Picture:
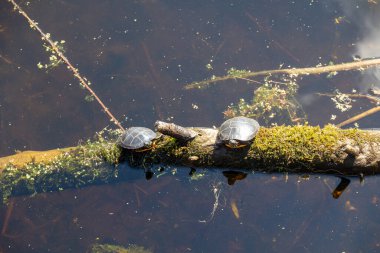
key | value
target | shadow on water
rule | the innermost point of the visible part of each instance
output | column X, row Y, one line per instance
column 139, row 55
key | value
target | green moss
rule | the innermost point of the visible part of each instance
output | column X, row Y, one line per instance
column 165, row 150
column 170, row 150
column 300, row 145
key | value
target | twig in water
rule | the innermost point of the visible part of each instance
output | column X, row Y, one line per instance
column 369, row 97
column 83, row 81
column 358, row 65
column 271, row 37
column 7, row 217
column 359, row 116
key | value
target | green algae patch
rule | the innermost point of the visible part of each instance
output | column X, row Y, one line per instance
column 92, row 162
column 109, row 248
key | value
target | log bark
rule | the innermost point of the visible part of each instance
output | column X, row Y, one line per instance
column 296, row 149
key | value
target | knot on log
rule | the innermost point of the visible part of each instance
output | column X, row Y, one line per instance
column 363, row 155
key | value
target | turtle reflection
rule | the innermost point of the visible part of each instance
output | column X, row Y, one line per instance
column 233, row 176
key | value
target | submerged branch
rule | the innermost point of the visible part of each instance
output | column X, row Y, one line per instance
column 360, row 116
column 356, row 65
column 371, row 98
column 297, row 149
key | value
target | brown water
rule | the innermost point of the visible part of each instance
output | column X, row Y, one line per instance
column 139, row 55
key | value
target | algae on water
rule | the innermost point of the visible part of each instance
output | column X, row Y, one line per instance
column 89, row 163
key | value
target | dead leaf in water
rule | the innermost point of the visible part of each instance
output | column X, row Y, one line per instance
column 235, row 209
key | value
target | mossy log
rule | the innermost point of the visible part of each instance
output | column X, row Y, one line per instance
column 299, row 149
column 293, row 149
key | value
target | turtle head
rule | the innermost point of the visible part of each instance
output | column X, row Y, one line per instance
column 235, row 144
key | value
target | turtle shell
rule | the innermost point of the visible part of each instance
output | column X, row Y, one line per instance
column 238, row 131
column 137, row 138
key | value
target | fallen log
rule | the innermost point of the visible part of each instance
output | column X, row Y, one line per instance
column 293, row 149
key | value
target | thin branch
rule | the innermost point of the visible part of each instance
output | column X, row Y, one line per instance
column 369, row 97
column 46, row 37
column 359, row 116
column 358, row 65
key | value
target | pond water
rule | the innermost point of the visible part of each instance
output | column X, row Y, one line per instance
column 139, row 55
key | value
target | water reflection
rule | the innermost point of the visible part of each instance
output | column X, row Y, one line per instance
column 172, row 213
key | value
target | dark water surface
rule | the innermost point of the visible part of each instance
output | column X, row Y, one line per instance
column 138, row 56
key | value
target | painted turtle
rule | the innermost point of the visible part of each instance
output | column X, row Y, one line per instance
column 237, row 132
column 138, row 138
